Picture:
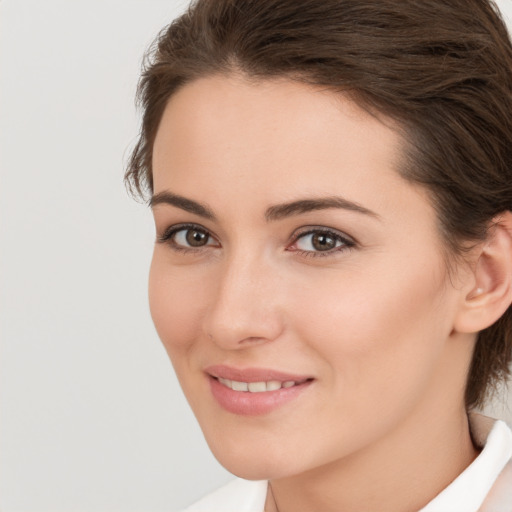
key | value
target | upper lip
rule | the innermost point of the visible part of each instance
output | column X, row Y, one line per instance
column 253, row 374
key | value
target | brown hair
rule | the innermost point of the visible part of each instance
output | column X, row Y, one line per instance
column 442, row 69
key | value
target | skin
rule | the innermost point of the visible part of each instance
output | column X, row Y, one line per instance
column 374, row 324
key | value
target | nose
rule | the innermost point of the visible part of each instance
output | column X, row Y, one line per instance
column 244, row 310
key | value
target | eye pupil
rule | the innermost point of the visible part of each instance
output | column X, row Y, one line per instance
column 196, row 238
column 323, row 242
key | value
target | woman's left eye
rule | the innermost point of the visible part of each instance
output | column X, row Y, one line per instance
column 320, row 241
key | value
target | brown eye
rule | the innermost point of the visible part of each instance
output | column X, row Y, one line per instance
column 317, row 241
column 323, row 241
column 188, row 237
column 196, row 238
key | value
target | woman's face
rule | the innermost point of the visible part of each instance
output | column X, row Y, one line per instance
column 296, row 266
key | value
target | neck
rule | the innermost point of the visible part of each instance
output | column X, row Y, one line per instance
column 400, row 473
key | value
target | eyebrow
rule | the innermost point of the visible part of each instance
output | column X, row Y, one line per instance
column 183, row 203
column 273, row 213
column 281, row 211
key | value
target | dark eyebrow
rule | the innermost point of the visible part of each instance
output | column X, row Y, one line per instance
column 183, row 203
column 307, row 205
column 273, row 213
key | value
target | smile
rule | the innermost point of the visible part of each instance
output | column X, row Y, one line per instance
column 255, row 391
column 256, row 387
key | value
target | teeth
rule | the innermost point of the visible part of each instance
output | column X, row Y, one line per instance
column 239, row 386
column 273, row 385
column 256, row 387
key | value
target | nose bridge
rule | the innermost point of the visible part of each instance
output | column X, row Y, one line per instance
column 244, row 307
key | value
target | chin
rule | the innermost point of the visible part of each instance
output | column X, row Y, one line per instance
column 256, row 462
column 256, row 470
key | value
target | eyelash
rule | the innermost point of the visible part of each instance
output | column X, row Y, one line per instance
column 347, row 243
column 169, row 233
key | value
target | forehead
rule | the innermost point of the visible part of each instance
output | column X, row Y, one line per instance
column 264, row 108
column 279, row 127
column 245, row 143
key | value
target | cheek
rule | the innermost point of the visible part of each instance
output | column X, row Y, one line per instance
column 378, row 330
column 176, row 298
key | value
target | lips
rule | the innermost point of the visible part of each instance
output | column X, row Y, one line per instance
column 253, row 374
column 254, row 391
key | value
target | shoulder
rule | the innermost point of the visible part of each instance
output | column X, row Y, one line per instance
column 236, row 496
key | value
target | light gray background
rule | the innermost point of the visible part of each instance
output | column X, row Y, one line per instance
column 92, row 418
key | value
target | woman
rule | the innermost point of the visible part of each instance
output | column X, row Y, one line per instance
column 332, row 190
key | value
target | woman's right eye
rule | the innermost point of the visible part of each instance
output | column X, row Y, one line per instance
column 188, row 238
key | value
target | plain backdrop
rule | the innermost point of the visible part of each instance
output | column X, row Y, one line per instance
column 92, row 418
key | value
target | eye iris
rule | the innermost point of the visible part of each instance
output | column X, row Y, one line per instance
column 323, row 242
column 196, row 238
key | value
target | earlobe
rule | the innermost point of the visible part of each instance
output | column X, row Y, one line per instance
column 491, row 294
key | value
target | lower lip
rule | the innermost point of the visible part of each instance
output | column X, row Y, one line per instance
column 253, row 404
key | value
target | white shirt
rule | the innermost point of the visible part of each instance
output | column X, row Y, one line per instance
column 484, row 486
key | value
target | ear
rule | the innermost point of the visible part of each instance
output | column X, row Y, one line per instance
column 490, row 291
